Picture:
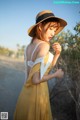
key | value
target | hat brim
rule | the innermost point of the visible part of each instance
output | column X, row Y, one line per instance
column 62, row 22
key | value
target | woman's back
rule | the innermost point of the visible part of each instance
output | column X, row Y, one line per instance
column 32, row 53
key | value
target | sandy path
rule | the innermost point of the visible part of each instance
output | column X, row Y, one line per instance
column 11, row 81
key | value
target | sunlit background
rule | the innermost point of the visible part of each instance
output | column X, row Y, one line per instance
column 16, row 16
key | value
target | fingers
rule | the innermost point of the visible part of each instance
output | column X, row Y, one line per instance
column 56, row 43
column 60, row 70
column 57, row 47
column 59, row 73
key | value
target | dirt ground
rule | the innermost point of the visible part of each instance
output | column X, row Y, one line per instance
column 12, row 78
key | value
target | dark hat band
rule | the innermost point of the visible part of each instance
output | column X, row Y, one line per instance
column 44, row 16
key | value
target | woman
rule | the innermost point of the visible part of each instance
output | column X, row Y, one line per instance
column 33, row 102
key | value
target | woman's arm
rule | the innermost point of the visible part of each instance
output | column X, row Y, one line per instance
column 55, row 58
column 44, row 49
column 36, row 77
column 57, row 48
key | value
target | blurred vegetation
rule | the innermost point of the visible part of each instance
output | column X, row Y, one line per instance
column 5, row 51
column 19, row 53
column 69, row 61
column 70, row 55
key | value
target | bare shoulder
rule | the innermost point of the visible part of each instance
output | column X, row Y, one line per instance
column 28, row 47
column 44, row 44
column 43, row 49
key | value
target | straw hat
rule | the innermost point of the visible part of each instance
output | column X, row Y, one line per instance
column 44, row 15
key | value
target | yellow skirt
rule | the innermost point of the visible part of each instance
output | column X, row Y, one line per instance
column 33, row 102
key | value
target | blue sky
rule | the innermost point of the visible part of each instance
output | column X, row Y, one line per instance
column 16, row 16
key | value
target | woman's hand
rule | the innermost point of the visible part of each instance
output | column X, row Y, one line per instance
column 57, row 47
column 59, row 73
